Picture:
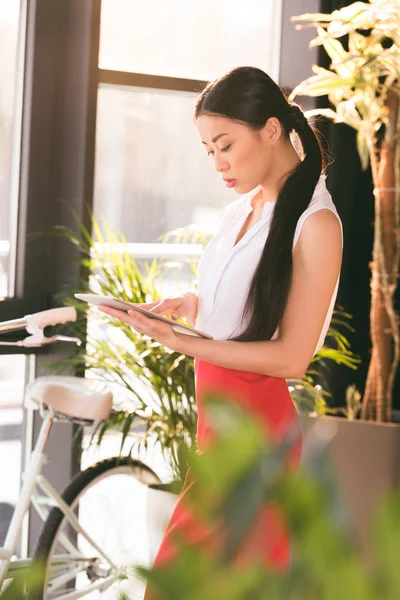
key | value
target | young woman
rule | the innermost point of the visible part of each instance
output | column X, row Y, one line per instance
column 267, row 281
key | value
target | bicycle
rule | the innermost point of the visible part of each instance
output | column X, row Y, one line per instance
column 76, row 559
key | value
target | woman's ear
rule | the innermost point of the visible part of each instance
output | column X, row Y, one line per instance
column 272, row 130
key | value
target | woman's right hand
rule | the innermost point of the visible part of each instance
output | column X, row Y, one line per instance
column 184, row 306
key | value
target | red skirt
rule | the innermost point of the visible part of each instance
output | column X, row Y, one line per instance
column 269, row 401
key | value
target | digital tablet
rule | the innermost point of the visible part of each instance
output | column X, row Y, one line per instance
column 125, row 306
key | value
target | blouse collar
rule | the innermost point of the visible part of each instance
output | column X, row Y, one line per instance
column 269, row 206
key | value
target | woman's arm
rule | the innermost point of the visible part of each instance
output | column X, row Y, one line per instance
column 316, row 266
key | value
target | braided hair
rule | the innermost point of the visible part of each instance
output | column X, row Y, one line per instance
column 250, row 96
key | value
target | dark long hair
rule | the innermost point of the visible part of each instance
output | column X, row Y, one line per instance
column 248, row 95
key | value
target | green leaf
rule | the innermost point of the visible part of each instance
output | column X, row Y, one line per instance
column 336, row 52
column 363, row 151
column 320, row 86
column 323, row 112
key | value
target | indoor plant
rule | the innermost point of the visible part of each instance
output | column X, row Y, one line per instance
column 362, row 84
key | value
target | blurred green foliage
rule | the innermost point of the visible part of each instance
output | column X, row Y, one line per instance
column 24, row 580
column 233, row 478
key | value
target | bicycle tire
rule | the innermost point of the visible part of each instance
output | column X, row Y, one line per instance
column 82, row 481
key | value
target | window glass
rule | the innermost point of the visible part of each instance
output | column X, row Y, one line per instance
column 195, row 40
column 152, row 172
column 12, row 384
column 9, row 138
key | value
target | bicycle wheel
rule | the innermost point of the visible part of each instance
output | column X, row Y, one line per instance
column 108, row 500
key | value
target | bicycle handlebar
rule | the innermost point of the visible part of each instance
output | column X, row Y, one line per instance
column 54, row 316
column 40, row 320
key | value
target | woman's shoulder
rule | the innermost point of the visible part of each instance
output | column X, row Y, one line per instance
column 320, row 200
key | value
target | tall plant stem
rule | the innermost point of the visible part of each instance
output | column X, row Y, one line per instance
column 385, row 264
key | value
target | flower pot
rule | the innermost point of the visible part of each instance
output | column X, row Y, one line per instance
column 365, row 457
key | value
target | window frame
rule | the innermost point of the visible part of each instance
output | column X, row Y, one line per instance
column 57, row 146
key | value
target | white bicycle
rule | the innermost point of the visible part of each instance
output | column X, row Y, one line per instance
column 92, row 535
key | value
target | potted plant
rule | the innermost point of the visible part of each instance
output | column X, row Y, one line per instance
column 362, row 85
column 154, row 386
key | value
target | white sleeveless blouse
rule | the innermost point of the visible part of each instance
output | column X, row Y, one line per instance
column 225, row 270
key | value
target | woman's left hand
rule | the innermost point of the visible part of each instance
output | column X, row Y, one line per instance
column 158, row 331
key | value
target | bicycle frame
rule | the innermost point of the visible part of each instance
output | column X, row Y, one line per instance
column 32, row 478
column 33, row 481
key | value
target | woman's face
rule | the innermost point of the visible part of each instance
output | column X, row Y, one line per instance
column 239, row 153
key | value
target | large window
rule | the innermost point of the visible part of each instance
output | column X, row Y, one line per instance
column 12, row 368
column 151, row 173
column 48, row 68
column 11, row 53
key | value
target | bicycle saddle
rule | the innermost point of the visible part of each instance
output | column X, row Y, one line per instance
column 72, row 396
